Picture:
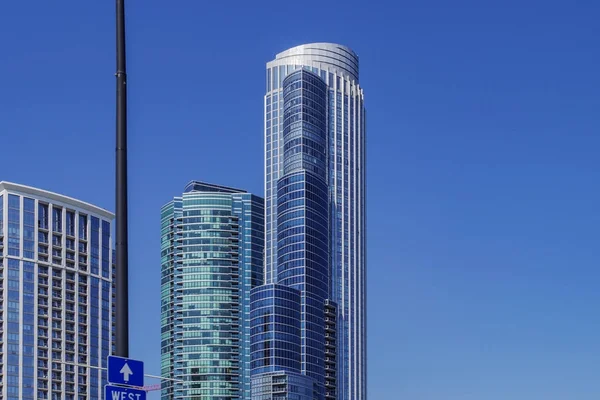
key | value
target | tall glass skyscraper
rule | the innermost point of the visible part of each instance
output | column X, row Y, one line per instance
column 56, row 295
column 302, row 250
column 302, row 210
column 212, row 256
column 337, row 68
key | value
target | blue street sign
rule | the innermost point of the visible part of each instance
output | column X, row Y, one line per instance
column 123, row 393
column 123, row 371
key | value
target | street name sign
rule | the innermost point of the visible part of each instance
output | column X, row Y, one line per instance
column 123, row 393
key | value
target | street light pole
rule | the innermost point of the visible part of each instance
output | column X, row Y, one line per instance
column 122, row 273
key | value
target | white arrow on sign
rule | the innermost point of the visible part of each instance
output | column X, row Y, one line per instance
column 126, row 371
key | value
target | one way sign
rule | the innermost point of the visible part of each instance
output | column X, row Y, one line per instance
column 123, row 371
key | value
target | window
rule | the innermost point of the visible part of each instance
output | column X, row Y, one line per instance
column 70, row 223
column 83, row 227
column 56, row 219
column 14, row 225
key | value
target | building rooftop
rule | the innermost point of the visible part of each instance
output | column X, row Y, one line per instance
column 327, row 56
column 56, row 198
column 197, row 186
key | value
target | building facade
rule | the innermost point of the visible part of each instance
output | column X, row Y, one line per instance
column 330, row 350
column 56, row 295
column 302, row 232
column 302, row 211
column 212, row 256
column 337, row 67
column 276, row 323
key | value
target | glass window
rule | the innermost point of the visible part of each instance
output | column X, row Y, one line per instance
column 70, row 223
column 14, row 225
column 281, row 74
column 28, row 228
column 43, row 216
column 105, row 249
column 268, row 79
column 83, row 227
column 56, row 219
column 1, row 215
column 95, row 245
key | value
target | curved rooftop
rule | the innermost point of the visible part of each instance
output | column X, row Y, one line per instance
column 55, row 197
column 326, row 56
column 198, row 186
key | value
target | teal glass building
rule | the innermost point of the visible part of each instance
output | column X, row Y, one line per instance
column 212, row 242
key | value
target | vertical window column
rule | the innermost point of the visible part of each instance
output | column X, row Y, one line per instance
column 56, row 219
column 105, row 249
column 94, row 338
column 28, row 228
column 57, row 239
column 13, row 331
column 14, row 225
column 95, row 246
column 28, row 319
column 70, row 223
column 82, row 236
column 106, row 326
column 1, row 225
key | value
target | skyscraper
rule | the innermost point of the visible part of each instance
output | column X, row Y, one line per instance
column 302, row 248
column 212, row 256
column 337, row 68
column 56, row 288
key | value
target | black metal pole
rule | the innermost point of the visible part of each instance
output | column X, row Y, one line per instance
column 122, row 273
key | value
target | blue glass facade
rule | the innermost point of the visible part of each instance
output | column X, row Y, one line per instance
column 302, row 240
column 56, row 315
column 212, row 256
column 277, row 346
column 337, row 66
column 302, row 210
column 276, row 332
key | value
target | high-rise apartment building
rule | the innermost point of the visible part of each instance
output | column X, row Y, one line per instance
column 56, row 295
column 212, row 256
column 336, row 68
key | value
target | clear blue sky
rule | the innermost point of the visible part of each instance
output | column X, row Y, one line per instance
column 483, row 164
